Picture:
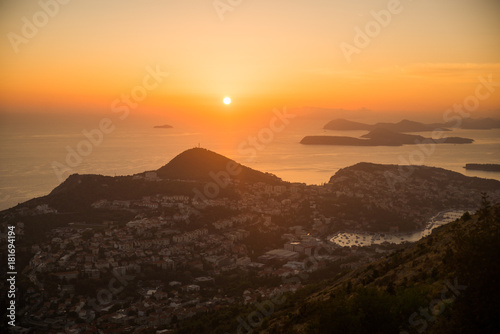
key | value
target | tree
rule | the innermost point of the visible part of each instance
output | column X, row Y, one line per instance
column 466, row 216
column 175, row 321
column 485, row 205
column 476, row 264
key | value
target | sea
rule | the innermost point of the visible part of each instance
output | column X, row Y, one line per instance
column 34, row 152
column 361, row 239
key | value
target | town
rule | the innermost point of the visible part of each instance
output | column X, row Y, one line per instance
column 166, row 259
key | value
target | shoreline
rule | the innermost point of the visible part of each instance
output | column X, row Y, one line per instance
column 444, row 217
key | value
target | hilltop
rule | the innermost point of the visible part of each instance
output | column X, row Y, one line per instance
column 198, row 163
column 188, row 170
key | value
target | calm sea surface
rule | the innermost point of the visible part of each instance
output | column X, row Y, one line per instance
column 348, row 239
column 27, row 153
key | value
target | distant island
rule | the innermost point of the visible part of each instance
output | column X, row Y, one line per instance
column 412, row 126
column 480, row 124
column 165, row 126
column 381, row 137
column 402, row 126
column 484, row 167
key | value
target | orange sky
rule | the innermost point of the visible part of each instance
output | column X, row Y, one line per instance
column 263, row 54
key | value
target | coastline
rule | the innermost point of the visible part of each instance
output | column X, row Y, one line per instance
column 359, row 238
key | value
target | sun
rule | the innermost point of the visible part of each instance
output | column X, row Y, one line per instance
column 227, row 100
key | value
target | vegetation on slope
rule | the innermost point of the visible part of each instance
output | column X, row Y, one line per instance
column 445, row 283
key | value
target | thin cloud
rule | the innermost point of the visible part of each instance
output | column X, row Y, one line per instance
column 424, row 70
column 451, row 69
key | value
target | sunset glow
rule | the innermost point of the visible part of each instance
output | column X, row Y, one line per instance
column 265, row 57
column 250, row 166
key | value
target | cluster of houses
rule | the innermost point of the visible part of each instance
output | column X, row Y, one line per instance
column 165, row 244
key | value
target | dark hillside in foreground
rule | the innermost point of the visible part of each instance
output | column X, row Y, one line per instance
column 394, row 294
column 445, row 283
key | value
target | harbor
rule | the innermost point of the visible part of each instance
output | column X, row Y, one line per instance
column 360, row 239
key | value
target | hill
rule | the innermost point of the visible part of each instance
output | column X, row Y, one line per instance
column 199, row 163
column 377, row 197
column 236, row 249
column 190, row 169
column 365, row 196
column 78, row 192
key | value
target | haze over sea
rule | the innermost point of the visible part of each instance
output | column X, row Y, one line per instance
column 30, row 145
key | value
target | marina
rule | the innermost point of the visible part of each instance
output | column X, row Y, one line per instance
column 360, row 239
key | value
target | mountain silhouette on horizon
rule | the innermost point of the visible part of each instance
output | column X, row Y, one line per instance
column 404, row 125
column 196, row 167
column 200, row 164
